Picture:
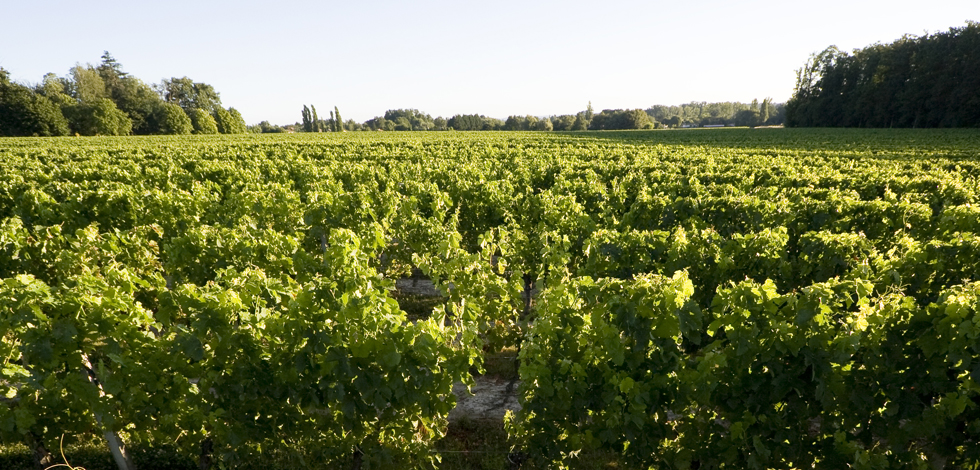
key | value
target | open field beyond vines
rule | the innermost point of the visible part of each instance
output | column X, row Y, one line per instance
column 689, row 299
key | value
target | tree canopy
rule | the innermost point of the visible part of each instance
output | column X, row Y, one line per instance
column 617, row 119
column 726, row 113
column 409, row 120
column 189, row 94
column 202, row 121
column 168, row 118
column 105, row 100
column 927, row 81
column 98, row 117
column 25, row 113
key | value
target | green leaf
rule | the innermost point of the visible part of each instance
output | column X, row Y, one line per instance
column 391, row 358
column 192, row 347
column 24, row 419
column 626, row 385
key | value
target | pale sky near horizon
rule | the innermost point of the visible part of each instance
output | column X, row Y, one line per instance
column 268, row 59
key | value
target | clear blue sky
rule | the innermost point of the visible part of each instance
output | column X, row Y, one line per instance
column 446, row 57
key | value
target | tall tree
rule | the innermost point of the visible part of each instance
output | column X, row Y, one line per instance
column 236, row 124
column 169, row 119
column 229, row 121
column 100, row 117
column 315, row 120
column 409, row 119
column 131, row 95
column 189, row 94
column 307, row 119
column 224, row 121
column 202, row 121
column 340, row 122
column 56, row 89
column 87, row 85
column 111, row 72
column 136, row 99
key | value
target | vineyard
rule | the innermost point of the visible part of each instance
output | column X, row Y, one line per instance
column 763, row 299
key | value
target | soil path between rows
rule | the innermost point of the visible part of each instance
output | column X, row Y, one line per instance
column 490, row 399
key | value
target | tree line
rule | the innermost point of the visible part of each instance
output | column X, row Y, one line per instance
column 927, row 81
column 695, row 114
column 727, row 113
column 105, row 100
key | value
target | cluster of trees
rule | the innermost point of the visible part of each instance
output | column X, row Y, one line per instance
column 474, row 122
column 405, row 120
column 728, row 113
column 607, row 119
column 927, row 81
column 265, row 127
column 415, row 120
column 694, row 114
column 105, row 100
column 393, row 120
column 621, row 119
column 528, row 123
column 312, row 122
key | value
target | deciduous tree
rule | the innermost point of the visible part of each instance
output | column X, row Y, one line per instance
column 169, row 118
column 229, row 121
column 339, row 120
column 100, row 117
column 307, row 119
column 189, row 94
column 86, row 84
column 26, row 113
column 202, row 121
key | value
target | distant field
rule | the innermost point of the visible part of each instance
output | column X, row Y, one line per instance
column 746, row 298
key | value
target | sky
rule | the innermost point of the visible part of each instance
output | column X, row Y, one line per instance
column 267, row 59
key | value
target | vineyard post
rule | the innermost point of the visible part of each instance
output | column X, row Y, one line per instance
column 116, row 445
column 528, row 287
